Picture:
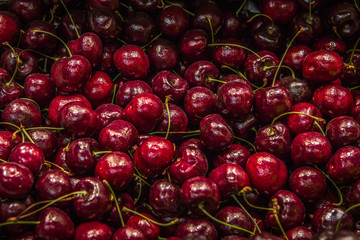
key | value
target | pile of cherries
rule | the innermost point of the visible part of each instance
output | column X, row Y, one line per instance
column 179, row 120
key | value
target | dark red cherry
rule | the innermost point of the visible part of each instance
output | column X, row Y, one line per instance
column 66, row 28
column 150, row 230
column 343, row 166
column 295, row 56
column 234, row 154
column 308, row 183
column 131, row 61
column 280, row 11
column 139, row 29
column 234, row 216
column 244, row 124
column 112, row 216
column 119, row 135
column 350, row 74
column 106, row 62
column 144, row 111
column 352, row 197
column 193, row 45
column 29, row 155
column 146, row 6
column 198, row 74
column 190, row 162
column 128, row 90
column 116, row 168
column 341, row 234
column 7, row 143
column 78, row 119
column 264, row 236
column 16, row 180
column 312, row 27
column 255, row 66
column 112, row 4
column 192, row 228
column 45, row 139
column 310, row 148
column 95, row 202
column 314, row 4
column 267, row 173
column 231, row 56
column 299, row 233
column 328, row 216
column 173, row 21
column 333, row 100
column 342, row 131
column 299, row 89
column 27, row 65
column 215, row 133
column 153, row 156
column 10, row 29
column 322, row 66
column 233, row 237
column 92, row 231
column 274, row 139
column 203, row 12
column 166, row 83
column 9, row 90
column 163, row 55
column 129, row 233
column 40, row 88
column 27, row 10
column 198, row 103
column 330, row 43
column 107, row 113
column 99, row 89
column 268, row 36
column 54, row 223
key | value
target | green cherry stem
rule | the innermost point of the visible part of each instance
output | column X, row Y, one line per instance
column 100, row 152
column 114, row 93
column 345, row 212
column 309, row 19
column 201, row 207
column 42, row 54
column 139, row 194
column 61, row 168
column 246, row 141
column 2, row 160
column 26, row 134
column 234, row 45
column 357, row 5
column 283, row 66
column 240, row 8
column 116, row 202
column 231, row 69
column 125, row 209
column 53, row 35
column 353, row 51
column 243, row 193
column 336, row 187
column 10, row 124
column 211, row 28
column 177, row 132
column 275, row 213
column 161, row 4
column 247, row 213
column 19, row 222
column 262, row 15
column 321, row 130
column 142, row 179
column 187, row 11
column 210, row 79
column 9, row 46
column 151, row 41
column 44, row 128
column 71, row 19
column 167, row 98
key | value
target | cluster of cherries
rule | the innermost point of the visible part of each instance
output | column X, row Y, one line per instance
column 179, row 120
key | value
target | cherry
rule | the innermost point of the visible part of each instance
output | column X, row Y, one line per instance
column 205, row 14
column 313, row 4
column 66, row 27
column 163, row 55
column 350, row 75
column 280, row 11
column 308, row 183
column 193, row 228
column 267, row 173
column 215, row 133
column 295, row 56
column 193, row 45
column 173, row 21
column 112, row 4
column 299, row 233
column 333, row 100
column 343, row 165
column 29, row 155
column 264, row 235
column 26, row 10
column 54, row 223
column 198, row 103
column 341, row 234
column 234, row 216
column 191, row 162
column 112, row 216
column 233, row 26
column 330, row 43
column 328, row 216
column 106, row 62
column 92, row 231
column 312, row 27
column 234, row 154
column 310, row 148
column 7, row 143
column 268, row 36
column 99, row 89
column 129, row 233
column 95, row 202
column 243, row 125
column 153, row 156
column 9, row 89
column 150, row 230
column 198, row 74
column 192, row 142
column 352, row 197
column 139, row 28
column 40, row 88
column 342, row 131
column 299, row 89
column 131, row 61
column 233, row 237
column 233, row 78
column 10, row 30
column 116, row 168
column 144, row 111
column 128, row 90
column 107, row 113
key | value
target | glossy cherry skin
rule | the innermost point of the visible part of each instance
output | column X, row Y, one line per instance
column 341, row 234
column 92, row 231
column 198, row 103
column 139, row 28
column 200, row 20
column 52, row 185
column 112, row 4
column 22, row 111
column 193, row 45
column 267, row 173
column 233, row 237
column 310, row 148
column 197, row 74
column 308, row 183
column 299, row 89
column 153, row 156
column 215, row 133
column 299, row 233
column 190, row 162
column 254, row 67
column 7, row 143
column 95, row 203
column 54, row 223
column 129, row 233
column 107, row 113
column 78, row 119
column 10, row 29
column 299, row 123
column 166, row 83
column 295, row 56
column 106, row 62
column 274, row 139
column 197, row 227
column 328, row 216
column 230, row 178
column 280, row 11
column 173, row 21
column 26, row 10
column 234, row 99
column 79, row 157
column 200, row 190
column 333, row 100
column 267, row 36
column 342, row 131
column 40, row 88
column 112, row 216
column 311, row 29
column 132, row 62
column 66, row 28
column 322, row 66
column 343, row 166
column 29, row 155
column 350, row 75
column 71, row 73
column 352, row 197
column 330, row 43
column 150, row 230
column 236, row 217
column 130, row 89
column 271, row 102
column 234, row 154
column 116, row 168
column 163, row 55
column 99, row 89
column 16, row 180
column 8, row 91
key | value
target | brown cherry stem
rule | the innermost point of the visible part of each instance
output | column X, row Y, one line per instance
column 71, row 19
column 334, row 184
column 345, row 212
column 161, row 4
column 52, row 12
column 246, row 141
column 247, row 213
column 116, row 202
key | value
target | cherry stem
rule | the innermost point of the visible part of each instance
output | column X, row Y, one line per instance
column 187, row 11
column 161, row 4
column 247, row 213
column 191, row 135
column 152, row 40
column 116, row 202
column 2, row 160
column 243, row 193
column 283, row 66
column 211, row 28
column 101, row 152
column 26, row 134
column 286, row 50
column 334, row 29
column 18, row 222
column 167, row 98
column 45, row 65
column 210, row 79
column 357, row 5
column 275, row 212
column 334, row 184
column 231, row 69
column 126, row 6
column 8, row 45
column 114, row 94
column 52, row 12
column 246, row 141
column 22, row 215
column 288, row 113
column 10, row 124
column 235, row 45
column 71, row 19
column 61, row 168
column 18, row 60
column 201, row 207
column 321, row 130
column 263, row 15
column 353, row 51
column 120, row 16
column 139, row 193
column 177, row 132
column 345, row 212
column 240, row 8
column 122, row 41
column 256, row 87
column 309, row 20
column 22, row 135
column 142, row 179
column 44, row 128
column 42, row 54
column 125, row 209
column 53, row 35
